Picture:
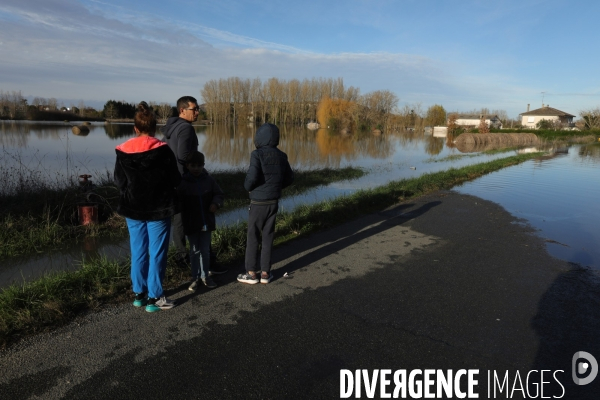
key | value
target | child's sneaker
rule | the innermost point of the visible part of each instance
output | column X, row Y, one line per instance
column 266, row 279
column 248, row 278
column 209, row 283
column 140, row 300
column 193, row 285
column 163, row 303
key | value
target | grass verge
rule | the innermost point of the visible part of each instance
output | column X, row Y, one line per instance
column 55, row 299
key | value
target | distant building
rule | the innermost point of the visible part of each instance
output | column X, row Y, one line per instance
column 530, row 119
column 473, row 120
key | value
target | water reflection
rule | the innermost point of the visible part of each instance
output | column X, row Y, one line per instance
column 305, row 148
column 116, row 131
column 590, row 152
column 556, row 195
column 17, row 134
column 226, row 147
column 435, row 145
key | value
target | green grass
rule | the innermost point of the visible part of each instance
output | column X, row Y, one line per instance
column 56, row 298
column 53, row 223
column 551, row 135
column 452, row 157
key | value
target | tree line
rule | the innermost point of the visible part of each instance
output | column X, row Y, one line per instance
column 324, row 100
column 294, row 102
column 14, row 106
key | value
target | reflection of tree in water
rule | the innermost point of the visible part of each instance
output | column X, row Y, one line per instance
column 16, row 134
column 406, row 137
column 375, row 146
column 303, row 147
column 335, row 146
column 590, row 152
column 434, row 145
column 13, row 135
column 225, row 145
column 115, row 131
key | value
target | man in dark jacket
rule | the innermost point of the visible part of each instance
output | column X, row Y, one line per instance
column 269, row 173
column 181, row 138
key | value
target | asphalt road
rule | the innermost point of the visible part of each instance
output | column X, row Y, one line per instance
column 445, row 282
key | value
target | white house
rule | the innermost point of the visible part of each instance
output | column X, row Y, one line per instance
column 530, row 119
column 473, row 120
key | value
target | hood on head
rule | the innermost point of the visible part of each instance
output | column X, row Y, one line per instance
column 140, row 144
column 168, row 130
column 267, row 135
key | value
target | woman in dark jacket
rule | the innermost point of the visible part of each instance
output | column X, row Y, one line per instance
column 147, row 176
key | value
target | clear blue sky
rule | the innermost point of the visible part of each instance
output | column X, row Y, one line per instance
column 463, row 55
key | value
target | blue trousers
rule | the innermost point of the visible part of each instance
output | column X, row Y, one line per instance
column 149, row 242
column 200, row 254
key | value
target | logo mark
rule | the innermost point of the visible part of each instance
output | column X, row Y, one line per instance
column 589, row 366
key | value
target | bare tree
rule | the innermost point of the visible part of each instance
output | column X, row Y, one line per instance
column 81, row 106
column 163, row 110
column 52, row 104
column 591, row 118
column 287, row 102
column 37, row 101
column 12, row 104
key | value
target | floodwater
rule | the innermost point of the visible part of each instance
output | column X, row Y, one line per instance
column 558, row 197
column 535, row 191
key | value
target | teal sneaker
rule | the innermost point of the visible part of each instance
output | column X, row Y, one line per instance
column 140, row 300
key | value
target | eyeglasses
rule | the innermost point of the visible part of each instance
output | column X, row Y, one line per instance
column 195, row 109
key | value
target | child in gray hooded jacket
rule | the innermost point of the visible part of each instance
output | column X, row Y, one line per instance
column 268, row 174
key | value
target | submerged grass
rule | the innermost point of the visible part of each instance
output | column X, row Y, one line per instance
column 37, row 219
column 55, row 299
column 232, row 183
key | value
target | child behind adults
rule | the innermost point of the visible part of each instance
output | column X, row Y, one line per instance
column 146, row 174
column 200, row 198
column 268, row 174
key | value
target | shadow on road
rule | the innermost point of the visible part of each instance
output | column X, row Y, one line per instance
column 568, row 321
column 339, row 239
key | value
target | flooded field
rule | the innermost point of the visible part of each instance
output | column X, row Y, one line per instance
column 555, row 195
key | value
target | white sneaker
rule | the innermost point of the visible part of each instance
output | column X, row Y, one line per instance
column 159, row 304
column 194, row 285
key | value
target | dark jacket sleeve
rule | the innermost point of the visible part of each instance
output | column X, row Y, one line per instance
column 254, row 177
column 174, row 174
column 190, row 211
column 288, row 176
column 119, row 175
